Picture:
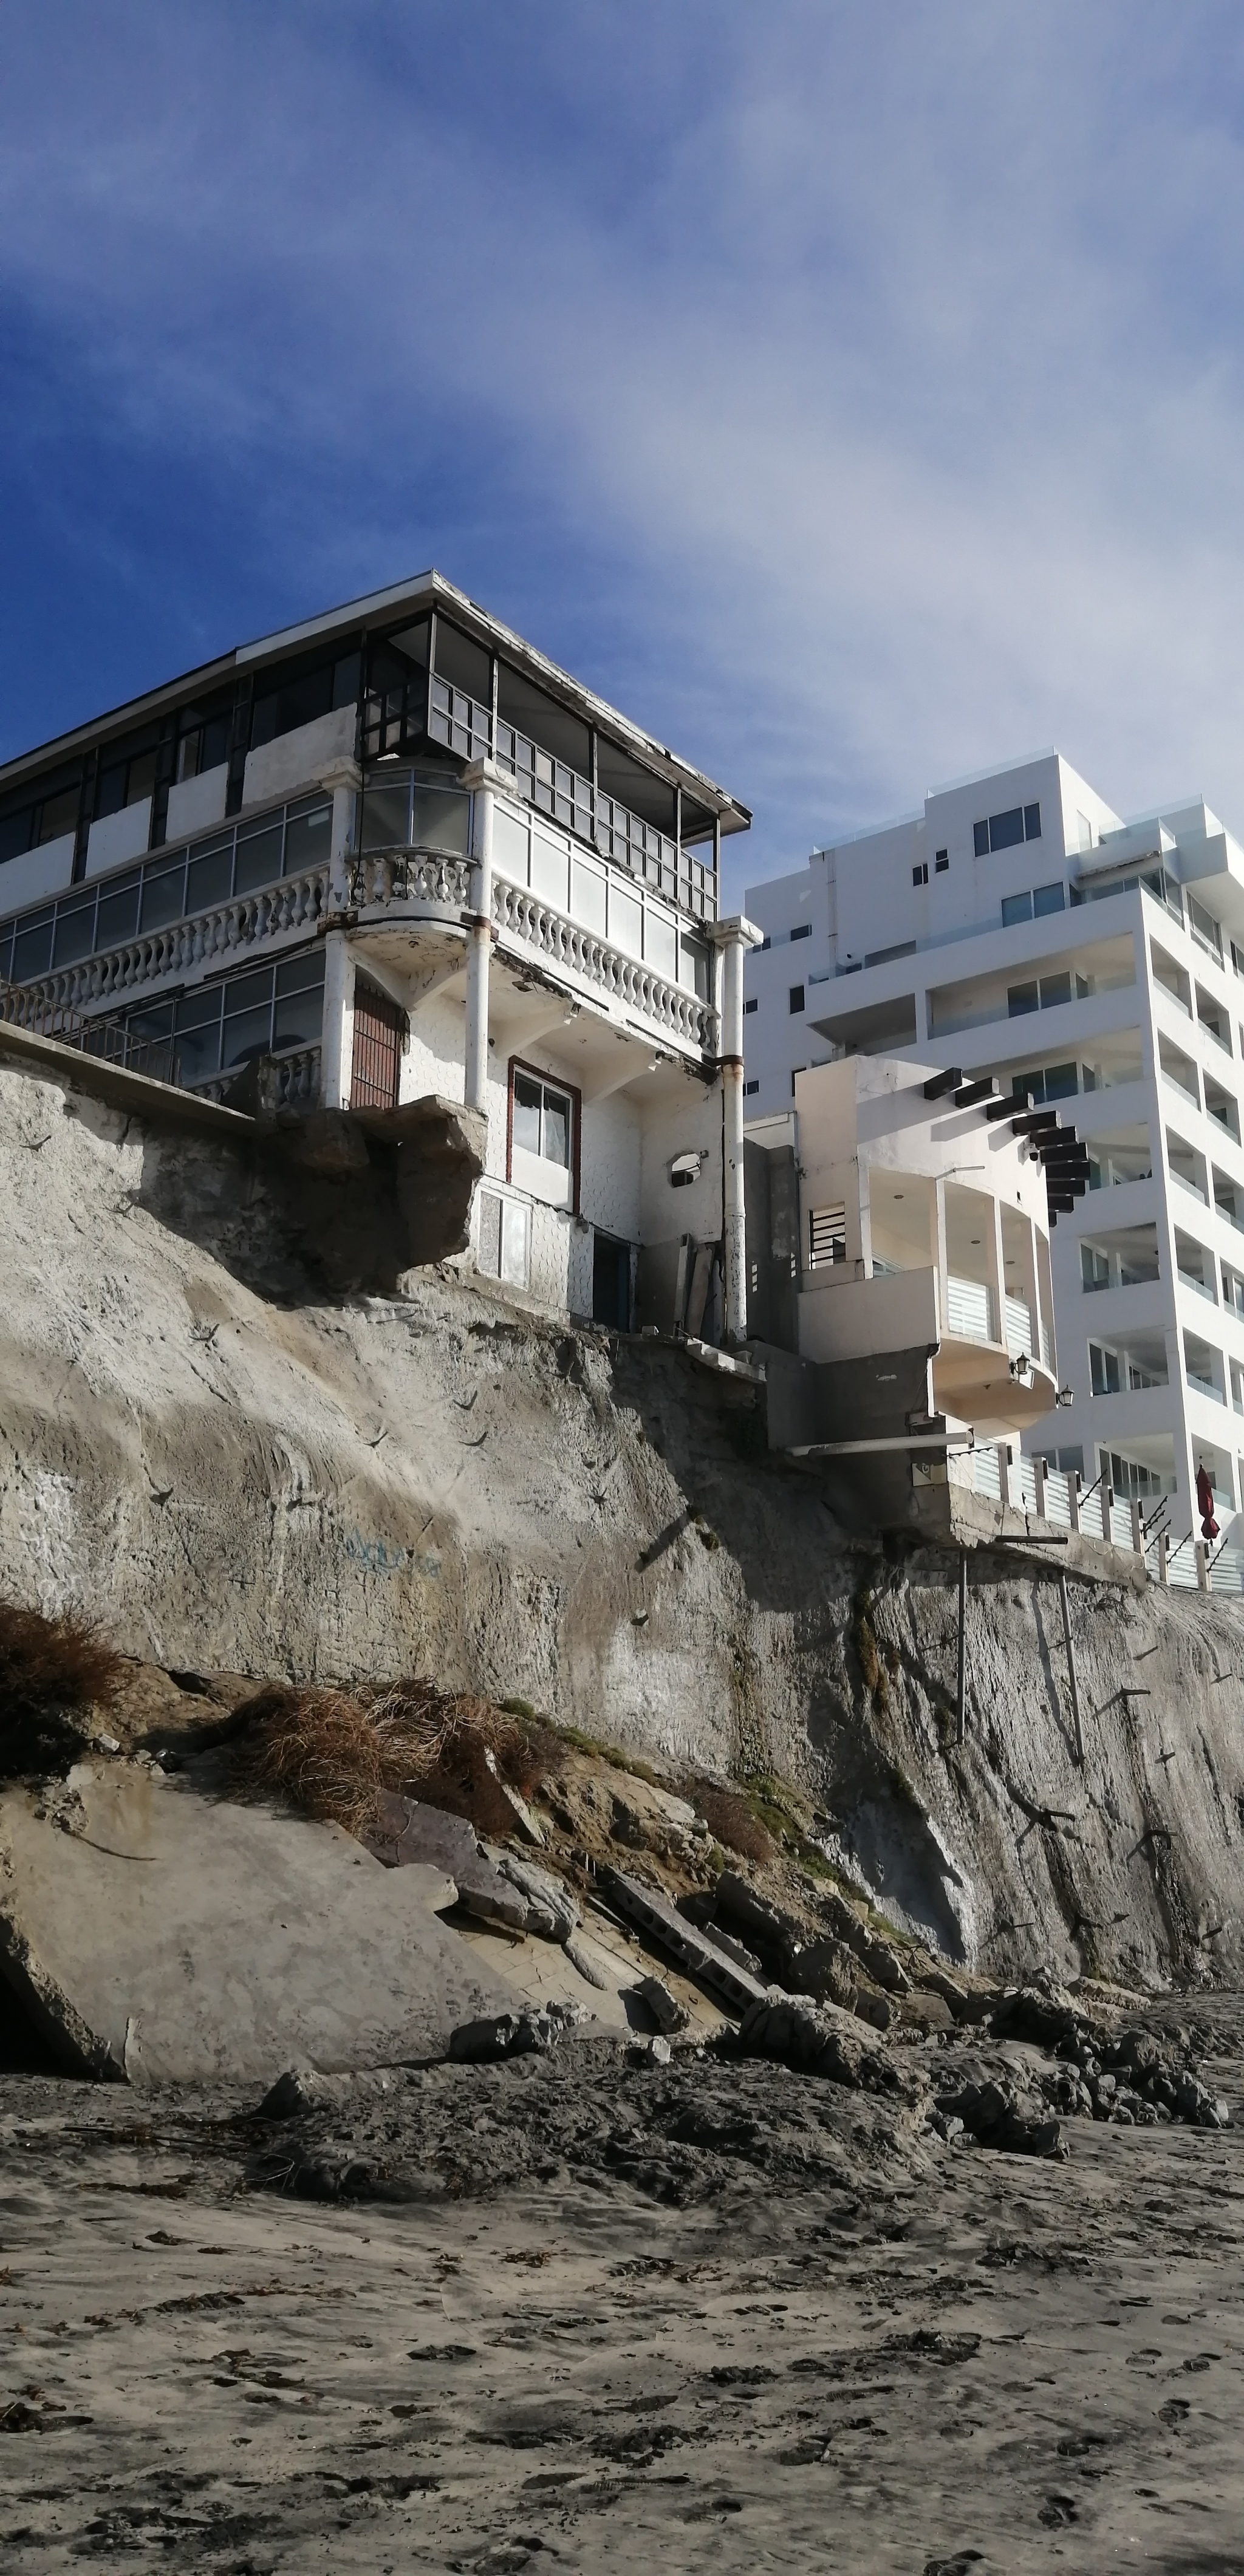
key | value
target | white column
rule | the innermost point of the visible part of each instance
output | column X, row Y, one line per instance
column 943, row 1256
column 483, row 779
column 733, row 938
column 337, row 1041
column 343, row 779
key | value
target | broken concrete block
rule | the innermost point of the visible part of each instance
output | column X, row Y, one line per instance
column 551, row 1909
column 584, row 1966
column 408, row 1831
column 174, row 1938
column 660, row 2051
column 514, row 2034
column 702, row 1958
column 301, row 2089
column 666, row 2011
column 519, row 1812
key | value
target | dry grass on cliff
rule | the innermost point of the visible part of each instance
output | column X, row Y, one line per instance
column 329, row 1753
column 52, row 1673
column 732, row 1821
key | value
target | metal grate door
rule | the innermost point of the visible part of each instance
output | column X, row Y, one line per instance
column 379, row 1035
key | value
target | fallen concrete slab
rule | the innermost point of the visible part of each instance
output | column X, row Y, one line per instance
column 407, row 1833
column 156, row 1933
column 700, row 1957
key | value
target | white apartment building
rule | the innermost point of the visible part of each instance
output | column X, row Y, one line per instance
column 1017, row 927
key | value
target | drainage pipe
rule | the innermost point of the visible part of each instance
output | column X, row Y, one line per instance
column 1071, row 1667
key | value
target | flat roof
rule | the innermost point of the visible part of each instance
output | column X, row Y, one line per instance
column 423, row 590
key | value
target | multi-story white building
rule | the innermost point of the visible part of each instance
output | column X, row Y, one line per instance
column 1017, row 926
column 395, row 855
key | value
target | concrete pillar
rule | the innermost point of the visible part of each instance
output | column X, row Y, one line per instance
column 1138, row 1536
column 1164, row 1546
column 995, row 1262
column 1105, row 1496
column 344, row 781
column 1038, row 1478
column 1030, row 1286
column 1201, row 1548
column 942, row 1256
column 337, row 1040
column 483, row 778
column 733, row 937
column 1073, row 1499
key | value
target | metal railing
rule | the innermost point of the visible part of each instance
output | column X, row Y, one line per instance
column 107, row 1037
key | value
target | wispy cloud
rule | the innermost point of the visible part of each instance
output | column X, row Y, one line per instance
column 856, row 394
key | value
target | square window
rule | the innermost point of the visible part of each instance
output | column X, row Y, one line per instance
column 1047, row 898
column 941, row 862
column 1015, row 907
column 1032, row 822
column 749, row 1006
column 1055, row 989
column 749, row 1089
column 1005, row 830
column 1021, row 998
column 802, row 931
column 920, row 873
column 796, row 998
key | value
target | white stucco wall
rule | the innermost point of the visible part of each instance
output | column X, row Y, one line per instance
column 197, row 803
column 292, row 762
column 118, row 837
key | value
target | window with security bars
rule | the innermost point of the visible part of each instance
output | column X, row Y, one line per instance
column 827, row 1236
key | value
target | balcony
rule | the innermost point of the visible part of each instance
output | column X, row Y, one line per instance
column 467, row 729
column 559, row 910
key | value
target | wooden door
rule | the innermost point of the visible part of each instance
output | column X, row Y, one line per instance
column 379, row 1036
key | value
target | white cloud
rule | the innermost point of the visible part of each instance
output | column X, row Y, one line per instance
column 891, row 357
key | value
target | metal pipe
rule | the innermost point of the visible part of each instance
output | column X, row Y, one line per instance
column 961, row 1698
column 1071, row 1667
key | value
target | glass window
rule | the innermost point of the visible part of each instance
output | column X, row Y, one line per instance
column 555, row 1136
column 386, row 815
column 1016, row 907
column 198, row 1034
column 258, row 859
column 164, row 893
column 209, row 876
column 140, row 778
column 796, row 998
column 1032, row 822
column 695, row 966
column 298, row 1017
column 75, row 932
column 1048, row 898
column 1005, row 830
column 1060, row 1081
column 246, row 1034
column 32, row 948
column 980, row 840
column 660, row 945
column 117, row 918
column 442, row 821
column 526, row 1125
column 301, row 974
column 587, row 895
column 307, row 836
column 347, row 674
column 1055, row 989
column 625, row 921
column 15, row 831
column 1021, row 998
column 1104, row 1369
column 463, row 662
column 59, row 815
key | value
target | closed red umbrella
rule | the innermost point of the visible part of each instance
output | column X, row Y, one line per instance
column 1205, row 1504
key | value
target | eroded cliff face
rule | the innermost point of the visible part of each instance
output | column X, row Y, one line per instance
column 439, row 1482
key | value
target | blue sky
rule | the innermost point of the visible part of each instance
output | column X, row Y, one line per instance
column 853, row 393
